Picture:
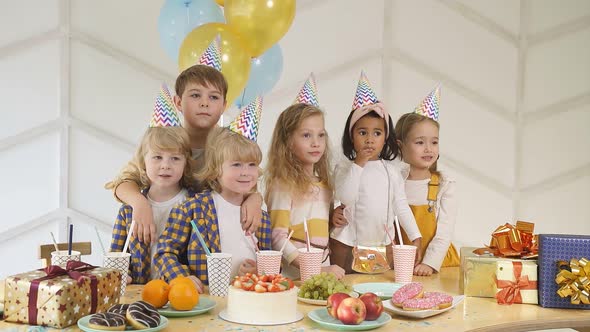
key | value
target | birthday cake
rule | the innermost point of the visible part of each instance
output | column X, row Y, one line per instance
column 262, row 300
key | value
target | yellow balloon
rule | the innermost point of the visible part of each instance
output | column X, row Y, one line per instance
column 261, row 23
column 235, row 60
column 219, row 2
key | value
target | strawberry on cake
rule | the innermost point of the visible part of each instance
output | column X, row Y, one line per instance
column 262, row 300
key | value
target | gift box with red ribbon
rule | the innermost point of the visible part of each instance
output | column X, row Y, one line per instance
column 516, row 282
column 58, row 297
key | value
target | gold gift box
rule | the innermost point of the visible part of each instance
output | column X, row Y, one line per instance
column 61, row 300
column 478, row 273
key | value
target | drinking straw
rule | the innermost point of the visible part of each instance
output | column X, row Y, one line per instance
column 70, row 239
column 100, row 240
column 288, row 238
column 306, row 233
column 399, row 232
column 54, row 242
column 254, row 242
column 388, row 234
column 129, row 236
column 201, row 240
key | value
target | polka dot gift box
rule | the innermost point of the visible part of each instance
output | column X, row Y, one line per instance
column 58, row 298
column 564, row 271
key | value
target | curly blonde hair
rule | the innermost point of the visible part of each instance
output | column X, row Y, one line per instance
column 223, row 145
column 283, row 167
column 174, row 139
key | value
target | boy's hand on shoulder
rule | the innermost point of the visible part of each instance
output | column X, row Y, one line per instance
column 338, row 219
column 336, row 270
column 145, row 229
column 251, row 213
column 197, row 283
column 247, row 266
column 423, row 270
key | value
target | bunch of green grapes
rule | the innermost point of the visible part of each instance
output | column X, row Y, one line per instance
column 321, row 286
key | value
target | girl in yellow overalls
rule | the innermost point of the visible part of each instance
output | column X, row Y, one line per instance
column 430, row 194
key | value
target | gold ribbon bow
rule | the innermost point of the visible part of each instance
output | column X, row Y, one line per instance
column 514, row 242
column 510, row 292
column 574, row 280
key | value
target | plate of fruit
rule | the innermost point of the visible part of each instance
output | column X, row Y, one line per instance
column 318, row 288
column 349, row 313
column 180, row 298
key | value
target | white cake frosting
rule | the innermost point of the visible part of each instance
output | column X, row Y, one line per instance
column 262, row 308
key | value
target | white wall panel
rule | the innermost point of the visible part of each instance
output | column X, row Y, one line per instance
column 25, row 19
column 505, row 13
column 30, row 90
column 30, row 180
column 547, row 14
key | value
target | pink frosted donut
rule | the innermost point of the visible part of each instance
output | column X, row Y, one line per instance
column 420, row 304
column 407, row 291
column 443, row 300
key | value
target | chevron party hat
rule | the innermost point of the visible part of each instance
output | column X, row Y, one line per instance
column 248, row 122
column 430, row 105
column 308, row 93
column 164, row 111
column 212, row 55
column 364, row 93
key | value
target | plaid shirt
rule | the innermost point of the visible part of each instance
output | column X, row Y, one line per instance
column 179, row 252
column 139, row 267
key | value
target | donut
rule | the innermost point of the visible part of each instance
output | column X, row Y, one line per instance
column 407, row 291
column 120, row 309
column 420, row 304
column 142, row 315
column 107, row 321
column 443, row 300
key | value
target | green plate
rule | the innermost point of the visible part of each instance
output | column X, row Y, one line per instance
column 83, row 325
column 322, row 317
column 382, row 289
column 205, row 304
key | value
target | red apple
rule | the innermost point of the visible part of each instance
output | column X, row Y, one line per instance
column 373, row 304
column 334, row 301
column 352, row 311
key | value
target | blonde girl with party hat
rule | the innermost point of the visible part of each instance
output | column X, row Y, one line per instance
column 298, row 184
column 368, row 183
column 230, row 173
column 162, row 165
column 431, row 193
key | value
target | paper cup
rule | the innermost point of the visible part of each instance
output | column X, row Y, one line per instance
column 310, row 262
column 403, row 263
column 268, row 262
column 61, row 257
column 119, row 261
column 218, row 272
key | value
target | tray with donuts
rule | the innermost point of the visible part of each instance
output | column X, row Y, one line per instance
column 413, row 301
column 138, row 315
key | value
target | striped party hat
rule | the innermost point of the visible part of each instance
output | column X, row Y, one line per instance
column 364, row 93
column 164, row 111
column 248, row 122
column 308, row 93
column 212, row 55
column 430, row 105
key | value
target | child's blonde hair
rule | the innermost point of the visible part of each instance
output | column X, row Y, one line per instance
column 283, row 167
column 172, row 139
column 223, row 145
column 405, row 124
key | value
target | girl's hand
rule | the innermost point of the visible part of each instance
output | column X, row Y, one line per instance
column 423, row 270
column 363, row 156
column 197, row 283
column 417, row 243
column 338, row 219
column 336, row 270
column 251, row 213
column 247, row 266
column 145, row 229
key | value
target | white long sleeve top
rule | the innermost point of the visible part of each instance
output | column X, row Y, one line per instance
column 446, row 213
column 365, row 192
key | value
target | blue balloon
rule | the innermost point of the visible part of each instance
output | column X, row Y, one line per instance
column 179, row 17
column 265, row 72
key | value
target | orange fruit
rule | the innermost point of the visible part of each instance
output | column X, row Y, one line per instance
column 183, row 296
column 156, row 292
column 181, row 280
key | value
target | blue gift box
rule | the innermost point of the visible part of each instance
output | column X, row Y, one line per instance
column 552, row 249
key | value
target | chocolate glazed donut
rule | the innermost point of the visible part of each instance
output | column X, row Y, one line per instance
column 107, row 321
column 142, row 315
column 120, row 309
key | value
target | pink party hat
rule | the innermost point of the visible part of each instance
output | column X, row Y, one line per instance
column 164, row 111
column 308, row 93
column 247, row 123
column 364, row 93
column 212, row 55
column 429, row 106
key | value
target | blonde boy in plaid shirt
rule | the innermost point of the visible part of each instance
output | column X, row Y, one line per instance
column 230, row 173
